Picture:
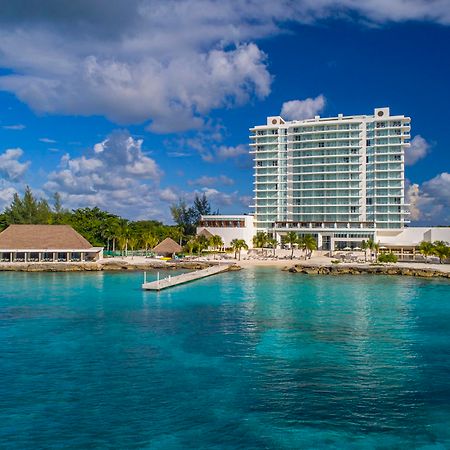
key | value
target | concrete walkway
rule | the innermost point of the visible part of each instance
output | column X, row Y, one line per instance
column 170, row 281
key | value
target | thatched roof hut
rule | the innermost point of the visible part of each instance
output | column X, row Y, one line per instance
column 34, row 237
column 167, row 247
column 206, row 233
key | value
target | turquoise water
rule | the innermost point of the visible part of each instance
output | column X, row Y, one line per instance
column 255, row 359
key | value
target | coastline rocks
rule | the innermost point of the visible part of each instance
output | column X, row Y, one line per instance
column 371, row 270
column 109, row 266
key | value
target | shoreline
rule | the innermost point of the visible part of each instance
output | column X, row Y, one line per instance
column 319, row 265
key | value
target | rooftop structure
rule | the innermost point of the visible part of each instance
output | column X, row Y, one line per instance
column 167, row 247
column 37, row 243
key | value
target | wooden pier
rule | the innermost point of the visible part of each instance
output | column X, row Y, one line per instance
column 170, row 281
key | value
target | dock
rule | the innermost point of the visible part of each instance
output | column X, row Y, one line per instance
column 170, row 281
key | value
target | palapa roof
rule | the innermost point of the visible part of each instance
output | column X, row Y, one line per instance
column 42, row 237
column 205, row 233
column 167, row 246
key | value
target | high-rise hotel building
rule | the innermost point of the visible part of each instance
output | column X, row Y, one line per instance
column 339, row 178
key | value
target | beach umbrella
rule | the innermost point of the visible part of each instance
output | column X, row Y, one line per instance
column 357, row 248
column 383, row 247
column 347, row 248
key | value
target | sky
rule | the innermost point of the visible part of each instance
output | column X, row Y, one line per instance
column 132, row 105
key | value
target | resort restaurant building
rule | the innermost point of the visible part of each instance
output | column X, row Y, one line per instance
column 46, row 243
column 228, row 227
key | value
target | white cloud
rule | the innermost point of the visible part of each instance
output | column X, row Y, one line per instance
column 17, row 127
column 430, row 200
column 302, row 109
column 419, row 149
column 224, row 152
column 207, row 181
column 164, row 62
column 11, row 169
column 6, row 196
column 47, row 141
column 116, row 175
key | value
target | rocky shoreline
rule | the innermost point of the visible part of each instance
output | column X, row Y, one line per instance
column 109, row 266
column 367, row 270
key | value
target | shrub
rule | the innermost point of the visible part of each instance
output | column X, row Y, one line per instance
column 387, row 258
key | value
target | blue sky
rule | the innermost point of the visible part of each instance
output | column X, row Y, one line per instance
column 132, row 105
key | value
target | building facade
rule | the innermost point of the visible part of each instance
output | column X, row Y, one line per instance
column 338, row 178
column 229, row 227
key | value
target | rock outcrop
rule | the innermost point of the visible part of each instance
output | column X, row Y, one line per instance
column 371, row 270
column 108, row 265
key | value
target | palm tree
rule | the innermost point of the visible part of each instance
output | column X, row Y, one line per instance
column 237, row 245
column 132, row 242
column 123, row 233
column 216, row 242
column 365, row 246
column 370, row 245
column 149, row 241
column 260, row 239
column 202, row 243
column 122, row 241
column 272, row 243
column 426, row 249
column 310, row 244
column 376, row 248
column 441, row 250
column 190, row 246
column 291, row 238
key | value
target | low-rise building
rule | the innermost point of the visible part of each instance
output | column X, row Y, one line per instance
column 46, row 243
column 228, row 227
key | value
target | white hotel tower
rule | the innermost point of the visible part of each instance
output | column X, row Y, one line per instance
column 338, row 178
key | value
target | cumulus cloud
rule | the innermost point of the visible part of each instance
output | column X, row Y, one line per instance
column 303, row 109
column 207, row 181
column 418, row 150
column 115, row 175
column 6, row 196
column 430, row 200
column 166, row 63
column 11, row 169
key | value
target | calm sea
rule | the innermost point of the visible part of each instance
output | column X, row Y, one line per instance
column 248, row 360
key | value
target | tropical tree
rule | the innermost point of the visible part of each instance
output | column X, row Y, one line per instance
column 216, row 242
column 365, row 246
column 149, row 242
column 237, row 245
column 291, row 238
column 376, row 249
column 426, row 249
column 309, row 243
column 123, row 234
column 202, row 243
column 122, row 241
column 441, row 250
column 191, row 246
column 260, row 239
column 132, row 243
column 272, row 243
column 370, row 246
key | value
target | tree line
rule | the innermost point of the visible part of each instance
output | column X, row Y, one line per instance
column 104, row 229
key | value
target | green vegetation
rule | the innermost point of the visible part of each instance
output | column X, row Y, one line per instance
column 440, row 249
column 307, row 243
column 237, row 245
column 107, row 230
column 387, row 258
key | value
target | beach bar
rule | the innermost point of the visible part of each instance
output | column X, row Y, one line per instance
column 45, row 243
